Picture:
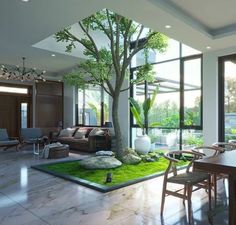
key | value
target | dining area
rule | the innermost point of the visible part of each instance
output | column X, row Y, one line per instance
column 224, row 163
column 207, row 167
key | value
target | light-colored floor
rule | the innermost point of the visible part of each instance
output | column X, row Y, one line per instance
column 31, row 197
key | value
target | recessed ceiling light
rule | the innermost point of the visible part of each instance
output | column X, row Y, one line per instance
column 208, row 47
column 53, row 55
column 24, row 0
column 167, row 26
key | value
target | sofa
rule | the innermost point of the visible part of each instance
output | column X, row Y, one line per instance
column 88, row 139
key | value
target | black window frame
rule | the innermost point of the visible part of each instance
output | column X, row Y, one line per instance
column 182, row 126
column 102, row 117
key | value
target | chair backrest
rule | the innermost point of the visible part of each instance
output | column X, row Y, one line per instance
column 226, row 145
column 3, row 135
column 208, row 150
column 184, row 154
column 31, row 133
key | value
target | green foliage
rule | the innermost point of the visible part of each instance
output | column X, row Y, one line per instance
column 193, row 140
column 114, row 57
column 141, row 116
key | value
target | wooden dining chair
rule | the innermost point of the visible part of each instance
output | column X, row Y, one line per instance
column 227, row 146
column 189, row 181
column 210, row 151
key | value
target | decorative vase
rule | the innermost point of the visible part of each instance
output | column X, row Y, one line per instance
column 142, row 144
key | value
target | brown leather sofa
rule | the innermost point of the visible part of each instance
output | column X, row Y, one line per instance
column 88, row 143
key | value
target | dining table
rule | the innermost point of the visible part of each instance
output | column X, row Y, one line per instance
column 224, row 163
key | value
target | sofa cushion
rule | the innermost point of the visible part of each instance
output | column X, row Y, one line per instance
column 96, row 132
column 68, row 132
column 79, row 134
column 87, row 130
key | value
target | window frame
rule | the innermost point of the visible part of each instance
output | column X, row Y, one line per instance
column 182, row 126
column 102, row 113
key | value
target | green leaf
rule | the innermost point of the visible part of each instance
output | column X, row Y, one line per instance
column 154, row 124
column 137, row 117
column 146, row 107
column 154, row 96
column 135, row 104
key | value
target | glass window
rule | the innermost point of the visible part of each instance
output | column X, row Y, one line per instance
column 24, row 116
column 187, row 51
column 192, row 92
column 93, row 106
column 165, row 110
column 90, row 107
column 172, row 52
column 80, row 106
column 14, row 90
column 177, row 106
column 192, row 138
column 230, row 99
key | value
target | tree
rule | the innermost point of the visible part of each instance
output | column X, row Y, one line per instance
column 112, row 60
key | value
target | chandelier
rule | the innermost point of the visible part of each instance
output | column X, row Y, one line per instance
column 21, row 73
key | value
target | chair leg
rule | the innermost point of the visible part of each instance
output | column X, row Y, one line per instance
column 189, row 196
column 163, row 198
column 215, row 188
column 184, row 195
column 209, row 192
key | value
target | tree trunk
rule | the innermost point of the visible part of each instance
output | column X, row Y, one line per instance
column 115, row 118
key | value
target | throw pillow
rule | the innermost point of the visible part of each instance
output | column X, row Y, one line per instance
column 93, row 131
column 68, row 132
column 100, row 133
column 96, row 132
column 79, row 134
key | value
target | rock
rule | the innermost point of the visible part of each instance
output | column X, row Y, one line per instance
column 100, row 162
column 104, row 153
column 130, row 151
column 131, row 159
column 150, row 159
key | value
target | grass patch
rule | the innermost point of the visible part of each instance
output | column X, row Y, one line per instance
column 120, row 175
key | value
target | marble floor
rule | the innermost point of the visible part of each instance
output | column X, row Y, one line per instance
column 31, row 197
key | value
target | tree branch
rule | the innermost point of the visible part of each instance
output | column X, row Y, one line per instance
column 138, row 48
column 90, row 38
column 74, row 38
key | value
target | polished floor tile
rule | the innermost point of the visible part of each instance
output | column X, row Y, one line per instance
column 31, row 197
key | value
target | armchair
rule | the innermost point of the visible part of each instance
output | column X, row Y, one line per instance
column 32, row 136
column 6, row 141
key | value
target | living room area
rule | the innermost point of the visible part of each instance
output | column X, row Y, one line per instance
column 99, row 101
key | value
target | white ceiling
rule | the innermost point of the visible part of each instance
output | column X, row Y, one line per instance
column 196, row 23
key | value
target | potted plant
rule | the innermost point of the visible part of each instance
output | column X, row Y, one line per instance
column 142, row 143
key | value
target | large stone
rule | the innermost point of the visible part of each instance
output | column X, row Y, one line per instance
column 100, row 162
column 130, row 151
column 131, row 159
column 104, row 153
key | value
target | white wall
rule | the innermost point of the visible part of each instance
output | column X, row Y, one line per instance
column 210, row 93
column 69, row 105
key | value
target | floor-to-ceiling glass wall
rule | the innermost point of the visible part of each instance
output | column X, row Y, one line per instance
column 178, row 105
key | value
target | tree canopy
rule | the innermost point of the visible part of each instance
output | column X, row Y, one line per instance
column 107, row 64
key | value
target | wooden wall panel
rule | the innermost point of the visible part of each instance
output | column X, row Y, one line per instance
column 8, row 114
column 49, row 104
